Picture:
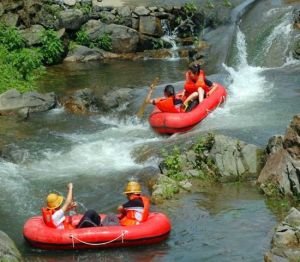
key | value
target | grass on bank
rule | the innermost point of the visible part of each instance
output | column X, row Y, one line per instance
column 21, row 66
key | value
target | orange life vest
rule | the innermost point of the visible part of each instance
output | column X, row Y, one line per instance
column 47, row 217
column 192, row 84
column 136, row 215
column 167, row 105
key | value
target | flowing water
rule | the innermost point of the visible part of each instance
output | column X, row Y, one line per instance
column 224, row 223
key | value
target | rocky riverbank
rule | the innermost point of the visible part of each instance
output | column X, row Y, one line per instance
column 8, row 250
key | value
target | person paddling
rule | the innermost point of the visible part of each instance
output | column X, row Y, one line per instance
column 196, row 86
column 136, row 209
column 54, row 212
column 169, row 103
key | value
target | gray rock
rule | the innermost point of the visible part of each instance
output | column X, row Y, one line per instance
column 124, row 39
column 285, row 237
column 274, row 144
column 8, row 249
column 72, row 19
column 293, row 218
column 141, row 11
column 249, row 153
column 82, row 101
column 150, row 25
column 107, row 17
column 153, row 8
column 10, row 5
column 10, row 19
column 185, row 184
column 164, row 188
column 69, row 2
column 12, row 100
column 124, row 11
column 48, row 17
column 83, row 54
column 270, row 257
column 135, row 23
column 116, row 98
column 92, row 24
column 291, row 140
column 32, row 35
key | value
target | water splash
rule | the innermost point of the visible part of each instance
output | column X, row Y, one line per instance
column 170, row 37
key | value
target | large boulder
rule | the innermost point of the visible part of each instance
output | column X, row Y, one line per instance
column 8, row 249
column 83, row 54
column 141, row 11
column 124, row 39
column 10, row 5
column 81, row 102
column 33, row 34
column 282, row 169
column 10, row 19
column 72, row 19
column 150, row 25
column 235, row 159
column 285, row 241
column 13, row 101
column 116, row 98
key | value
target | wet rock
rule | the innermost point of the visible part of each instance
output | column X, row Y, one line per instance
column 150, row 25
column 285, row 241
column 116, row 98
column 33, row 34
column 10, row 19
column 8, row 249
column 275, row 143
column 72, row 19
column 296, row 51
column 185, row 184
column 83, row 54
column 10, row 5
column 164, row 188
column 12, row 101
column 141, row 11
column 81, row 102
column 135, row 23
column 282, row 168
column 107, row 17
column 235, row 159
column 291, row 141
column 296, row 18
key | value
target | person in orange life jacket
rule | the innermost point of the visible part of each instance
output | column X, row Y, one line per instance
column 136, row 209
column 169, row 103
column 54, row 212
column 196, row 85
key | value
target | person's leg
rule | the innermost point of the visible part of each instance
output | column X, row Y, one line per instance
column 190, row 98
column 201, row 94
column 89, row 219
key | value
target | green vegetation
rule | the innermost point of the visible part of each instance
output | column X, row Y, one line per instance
column 104, row 42
column 190, row 9
column 85, row 8
column 172, row 164
column 21, row 66
column 227, row 3
column 52, row 47
column 158, row 43
column 210, row 4
column 82, row 38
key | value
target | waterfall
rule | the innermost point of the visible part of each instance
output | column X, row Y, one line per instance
column 170, row 37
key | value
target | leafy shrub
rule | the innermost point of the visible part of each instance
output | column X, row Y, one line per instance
column 82, row 38
column 104, row 42
column 52, row 47
column 172, row 163
column 227, row 3
column 157, row 43
column 10, row 38
column 190, row 8
column 26, row 61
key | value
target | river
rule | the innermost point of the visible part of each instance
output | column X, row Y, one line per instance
column 225, row 223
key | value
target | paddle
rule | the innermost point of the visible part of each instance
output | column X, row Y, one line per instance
column 141, row 111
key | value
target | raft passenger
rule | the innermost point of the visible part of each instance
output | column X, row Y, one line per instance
column 136, row 209
column 54, row 212
column 196, row 86
column 169, row 103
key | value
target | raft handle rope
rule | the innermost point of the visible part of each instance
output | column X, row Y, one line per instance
column 122, row 235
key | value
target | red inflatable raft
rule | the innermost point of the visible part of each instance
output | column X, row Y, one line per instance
column 169, row 123
column 155, row 229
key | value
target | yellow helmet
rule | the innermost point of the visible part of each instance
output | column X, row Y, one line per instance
column 133, row 187
column 54, row 201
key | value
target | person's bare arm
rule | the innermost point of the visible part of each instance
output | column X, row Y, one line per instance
column 69, row 200
column 214, row 87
